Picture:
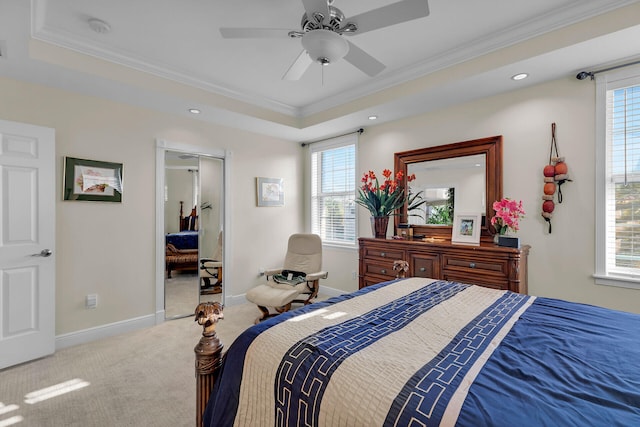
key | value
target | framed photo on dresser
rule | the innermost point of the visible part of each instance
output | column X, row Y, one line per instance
column 466, row 228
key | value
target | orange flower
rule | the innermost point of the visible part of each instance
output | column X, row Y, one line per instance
column 382, row 199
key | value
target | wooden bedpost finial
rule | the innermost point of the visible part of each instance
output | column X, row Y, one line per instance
column 208, row 354
column 208, row 314
column 209, row 347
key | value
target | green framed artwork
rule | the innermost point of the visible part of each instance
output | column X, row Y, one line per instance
column 92, row 180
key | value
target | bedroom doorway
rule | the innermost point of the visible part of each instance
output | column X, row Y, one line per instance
column 191, row 209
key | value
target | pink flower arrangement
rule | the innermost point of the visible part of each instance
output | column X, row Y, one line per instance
column 508, row 212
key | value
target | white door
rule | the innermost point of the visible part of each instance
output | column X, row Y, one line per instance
column 27, row 263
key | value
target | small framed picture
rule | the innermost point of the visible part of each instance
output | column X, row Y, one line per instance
column 92, row 180
column 466, row 228
column 270, row 191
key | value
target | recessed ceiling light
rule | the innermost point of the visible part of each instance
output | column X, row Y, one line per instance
column 194, row 111
column 373, row 117
column 520, row 76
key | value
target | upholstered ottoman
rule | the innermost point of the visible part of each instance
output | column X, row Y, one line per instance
column 268, row 296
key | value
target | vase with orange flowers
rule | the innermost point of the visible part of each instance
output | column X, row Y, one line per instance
column 382, row 200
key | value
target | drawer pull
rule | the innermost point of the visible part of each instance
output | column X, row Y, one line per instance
column 423, row 269
column 472, row 265
column 383, row 271
column 383, row 254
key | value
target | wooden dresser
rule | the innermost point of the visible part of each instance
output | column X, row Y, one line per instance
column 487, row 265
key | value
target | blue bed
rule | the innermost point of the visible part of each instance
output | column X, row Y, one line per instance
column 426, row 353
column 183, row 239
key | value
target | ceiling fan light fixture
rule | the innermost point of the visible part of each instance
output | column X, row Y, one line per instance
column 325, row 46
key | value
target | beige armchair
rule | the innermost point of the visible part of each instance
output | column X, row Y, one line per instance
column 211, row 270
column 302, row 270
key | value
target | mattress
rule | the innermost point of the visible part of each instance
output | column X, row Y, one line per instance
column 421, row 352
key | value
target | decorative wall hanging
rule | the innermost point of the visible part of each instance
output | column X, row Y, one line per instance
column 270, row 191
column 555, row 174
column 92, row 180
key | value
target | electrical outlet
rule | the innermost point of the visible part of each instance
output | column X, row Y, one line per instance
column 261, row 271
column 91, row 301
column 354, row 275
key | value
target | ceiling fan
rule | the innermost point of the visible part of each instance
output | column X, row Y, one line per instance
column 323, row 28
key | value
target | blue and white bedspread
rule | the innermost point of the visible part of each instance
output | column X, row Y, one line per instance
column 183, row 239
column 418, row 352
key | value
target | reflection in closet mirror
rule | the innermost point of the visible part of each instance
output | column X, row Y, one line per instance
column 193, row 212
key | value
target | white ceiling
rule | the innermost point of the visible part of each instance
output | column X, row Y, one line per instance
column 169, row 55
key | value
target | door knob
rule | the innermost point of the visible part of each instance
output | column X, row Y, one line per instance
column 43, row 253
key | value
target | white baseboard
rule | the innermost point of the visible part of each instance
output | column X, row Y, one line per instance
column 331, row 292
column 87, row 335
column 105, row 331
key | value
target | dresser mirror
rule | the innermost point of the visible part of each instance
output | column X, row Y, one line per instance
column 463, row 177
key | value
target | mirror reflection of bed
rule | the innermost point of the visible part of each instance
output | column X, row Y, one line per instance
column 193, row 223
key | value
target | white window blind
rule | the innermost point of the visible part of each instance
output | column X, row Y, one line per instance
column 620, row 228
column 333, row 209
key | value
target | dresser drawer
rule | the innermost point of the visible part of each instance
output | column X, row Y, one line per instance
column 476, row 279
column 475, row 265
column 382, row 269
column 373, row 280
column 383, row 253
column 424, row 265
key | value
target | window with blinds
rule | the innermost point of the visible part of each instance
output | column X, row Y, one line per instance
column 620, row 231
column 333, row 209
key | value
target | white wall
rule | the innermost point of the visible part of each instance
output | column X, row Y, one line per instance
column 179, row 184
column 560, row 263
column 108, row 248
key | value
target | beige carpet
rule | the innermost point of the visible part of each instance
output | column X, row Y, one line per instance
column 181, row 294
column 143, row 378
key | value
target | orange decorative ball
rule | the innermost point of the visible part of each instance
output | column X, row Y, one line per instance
column 549, row 188
column 549, row 170
column 561, row 168
column 548, row 206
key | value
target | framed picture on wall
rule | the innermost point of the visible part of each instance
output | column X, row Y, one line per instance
column 270, row 191
column 466, row 228
column 92, row 180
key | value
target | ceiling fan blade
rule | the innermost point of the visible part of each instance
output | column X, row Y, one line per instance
column 362, row 60
column 299, row 66
column 253, row 33
column 395, row 13
column 312, row 6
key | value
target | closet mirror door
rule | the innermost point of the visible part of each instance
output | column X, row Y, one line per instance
column 181, row 233
column 211, row 173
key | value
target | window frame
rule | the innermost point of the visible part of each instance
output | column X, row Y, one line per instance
column 316, row 147
column 626, row 77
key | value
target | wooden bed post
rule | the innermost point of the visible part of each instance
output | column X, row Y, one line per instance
column 208, row 354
